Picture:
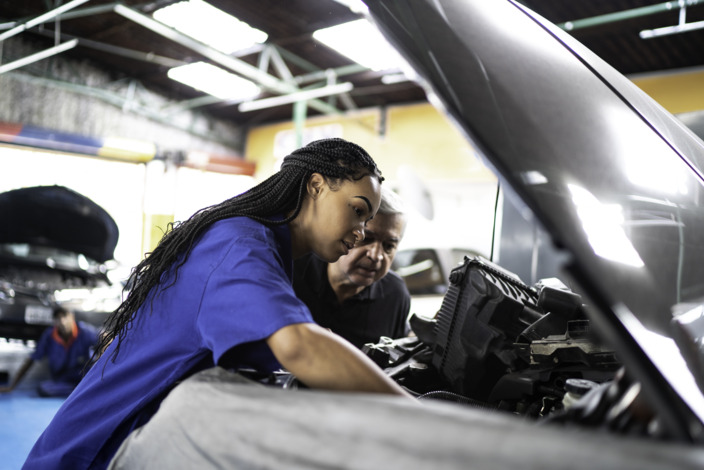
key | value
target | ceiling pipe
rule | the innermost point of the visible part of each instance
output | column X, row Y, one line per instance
column 280, row 66
column 295, row 97
column 295, row 59
column 323, row 74
column 41, row 19
column 88, row 11
column 624, row 15
column 120, row 51
column 38, row 56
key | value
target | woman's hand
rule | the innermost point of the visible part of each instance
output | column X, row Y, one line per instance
column 321, row 359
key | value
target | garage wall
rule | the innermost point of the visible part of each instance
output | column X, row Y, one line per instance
column 77, row 97
column 681, row 92
column 678, row 92
column 421, row 155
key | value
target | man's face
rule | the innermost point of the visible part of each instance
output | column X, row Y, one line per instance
column 65, row 324
column 371, row 258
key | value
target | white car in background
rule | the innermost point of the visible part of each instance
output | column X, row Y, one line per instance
column 426, row 272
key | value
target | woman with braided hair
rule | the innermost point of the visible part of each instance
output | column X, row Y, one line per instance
column 217, row 291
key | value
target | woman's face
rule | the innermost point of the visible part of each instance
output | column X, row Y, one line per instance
column 339, row 214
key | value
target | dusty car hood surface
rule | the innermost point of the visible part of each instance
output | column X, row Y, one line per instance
column 612, row 177
column 216, row 419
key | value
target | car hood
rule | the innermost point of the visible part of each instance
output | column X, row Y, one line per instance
column 57, row 217
column 612, row 177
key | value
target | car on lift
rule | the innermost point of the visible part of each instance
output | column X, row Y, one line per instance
column 597, row 364
column 54, row 248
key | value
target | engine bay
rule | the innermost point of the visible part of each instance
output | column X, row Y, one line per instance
column 507, row 347
column 499, row 344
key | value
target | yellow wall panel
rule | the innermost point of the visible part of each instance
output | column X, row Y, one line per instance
column 680, row 92
column 416, row 135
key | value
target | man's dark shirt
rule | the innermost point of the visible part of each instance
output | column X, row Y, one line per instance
column 379, row 310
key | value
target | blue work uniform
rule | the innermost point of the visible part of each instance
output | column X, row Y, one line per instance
column 66, row 359
column 233, row 292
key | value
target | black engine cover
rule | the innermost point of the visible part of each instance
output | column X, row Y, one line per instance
column 483, row 313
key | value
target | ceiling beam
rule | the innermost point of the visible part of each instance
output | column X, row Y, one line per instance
column 43, row 18
column 296, row 97
column 625, row 15
column 242, row 68
column 119, row 51
column 41, row 55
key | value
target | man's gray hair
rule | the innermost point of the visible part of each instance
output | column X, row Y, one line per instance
column 391, row 203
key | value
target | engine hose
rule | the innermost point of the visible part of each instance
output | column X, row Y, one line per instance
column 409, row 354
column 454, row 397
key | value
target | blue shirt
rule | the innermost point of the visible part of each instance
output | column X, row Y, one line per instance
column 233, row 292
column 66, row 363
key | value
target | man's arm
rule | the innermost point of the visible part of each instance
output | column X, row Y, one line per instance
column 20, row 373
column 321, row 359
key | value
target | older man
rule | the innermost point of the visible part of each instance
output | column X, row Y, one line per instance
column 357, row 297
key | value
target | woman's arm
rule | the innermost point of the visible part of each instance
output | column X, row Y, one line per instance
column 321, row 359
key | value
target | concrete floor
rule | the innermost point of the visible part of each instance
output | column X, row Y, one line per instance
column 23, row 413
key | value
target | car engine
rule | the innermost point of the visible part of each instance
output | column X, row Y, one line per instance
column 500, row 344
column 506, row 347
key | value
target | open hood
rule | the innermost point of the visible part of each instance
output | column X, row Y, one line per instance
column 57, row 217
column 612, row 177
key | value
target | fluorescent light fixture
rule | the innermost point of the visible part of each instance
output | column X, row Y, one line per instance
column 360, row 41
column 214, row 81
column 210, row 26
column 294, row 97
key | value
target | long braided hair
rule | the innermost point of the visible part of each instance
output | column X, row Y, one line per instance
column 282, row 193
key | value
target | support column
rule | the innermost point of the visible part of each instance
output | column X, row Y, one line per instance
column 300, row 109
column 159, row 202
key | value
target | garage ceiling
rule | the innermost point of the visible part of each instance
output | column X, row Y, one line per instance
column 112, row 37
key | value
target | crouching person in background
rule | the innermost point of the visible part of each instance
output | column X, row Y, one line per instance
column 68, row 347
